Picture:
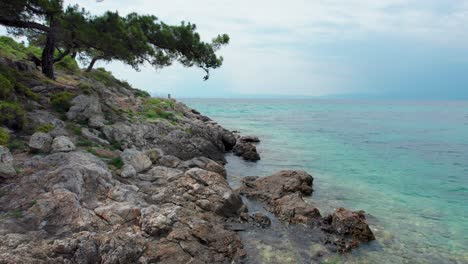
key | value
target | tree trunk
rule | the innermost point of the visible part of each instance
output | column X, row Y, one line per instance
column 48, row 52
column 91, row 65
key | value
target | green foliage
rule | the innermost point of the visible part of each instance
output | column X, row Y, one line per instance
column 116, row 145
column 68, row 64
column 17, row 144
column 17, row 51
column 106, row 78
column 85, row 143
column 13, row 214
column 4, row 136
column 117, row 162
column 21, row 89
column 140, row 93
column 62, row 101
column 155, row 108
column 6, row 87
column 86, row 88
column 12, row 115
column 75, row 128
column 46, row 128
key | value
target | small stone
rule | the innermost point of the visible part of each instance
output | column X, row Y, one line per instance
column 40, row 142
column 62, row 144
column 128, row 171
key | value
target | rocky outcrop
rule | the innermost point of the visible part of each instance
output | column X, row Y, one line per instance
column 7, row 169
column 283, row 193
column 137, row 159
column 246, row 148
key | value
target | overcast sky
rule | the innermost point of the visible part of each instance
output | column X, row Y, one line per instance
column 380, row 48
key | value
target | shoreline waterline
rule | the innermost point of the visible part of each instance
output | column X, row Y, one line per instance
column 424, row 224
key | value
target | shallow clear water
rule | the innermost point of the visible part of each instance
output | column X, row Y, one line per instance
column 405, row 163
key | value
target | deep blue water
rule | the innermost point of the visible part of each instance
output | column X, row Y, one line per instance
column 404, row 163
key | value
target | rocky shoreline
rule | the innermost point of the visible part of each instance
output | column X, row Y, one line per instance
column 121, row 178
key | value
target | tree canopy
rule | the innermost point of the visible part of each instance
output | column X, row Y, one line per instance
column 133, row 39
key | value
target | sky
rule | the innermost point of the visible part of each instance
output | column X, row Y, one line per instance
column 408, row 49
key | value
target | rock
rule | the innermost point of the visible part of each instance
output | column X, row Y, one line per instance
column 62, row 144
column 86, row 108
column 246, row 150
column 156, row 221
column 283, row 192
column 42, row 117
column 128, row 171
column 40, row 142
column 203, row 163
column 213, row 187
column 137, row 159
column 351, row 226
column 160, row 172
column 249, row 139
column 93, row 136
column 7, row 169
column 118, row 213
column 154, row 154
column 260, row 220
column 96, row 121
column 169, row 161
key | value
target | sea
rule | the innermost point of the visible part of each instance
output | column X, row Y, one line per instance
column 405, row 163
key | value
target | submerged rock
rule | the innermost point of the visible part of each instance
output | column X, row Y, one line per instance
column 283, row 192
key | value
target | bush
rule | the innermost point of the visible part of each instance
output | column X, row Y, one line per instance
column 86, row 88
column 6, row 87
column 105, row 77
column 21, row 89
column 117, row 162
column 46, row 128
column 17, row 144
column 140, row 93
column 68, row 64
column 17, row 51
column 12, row 115
column 4, row 136
column 62, row 101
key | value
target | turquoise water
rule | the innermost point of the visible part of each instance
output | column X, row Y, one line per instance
column 404, row 163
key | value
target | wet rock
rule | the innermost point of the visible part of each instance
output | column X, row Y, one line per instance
column 260, row 220
column 7, row 170
column 249, row 139
column 283, row 193
column 137, row 159
column 246, row 150
column 350, row 226
column 62, row 144
column 40, row 142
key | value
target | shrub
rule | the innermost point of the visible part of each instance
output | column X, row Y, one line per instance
column 76, row 129
column 68, row 64
column 21, row 89
column 12, row 115
column 62, row 101
column 86, row 88
column 4, row 136
column 46, row 128
column 117, row 162
column 105, row 77
column 140, row 93
column 6, row 87
column 17, row 144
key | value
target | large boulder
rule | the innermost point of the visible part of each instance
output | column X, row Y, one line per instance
column 138, row 159
column 40, row 142
column 86, row 108
column 203, row 163
column 62, row 144
column 7, row 170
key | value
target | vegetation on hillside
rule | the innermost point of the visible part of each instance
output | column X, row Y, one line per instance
column 66, row 33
